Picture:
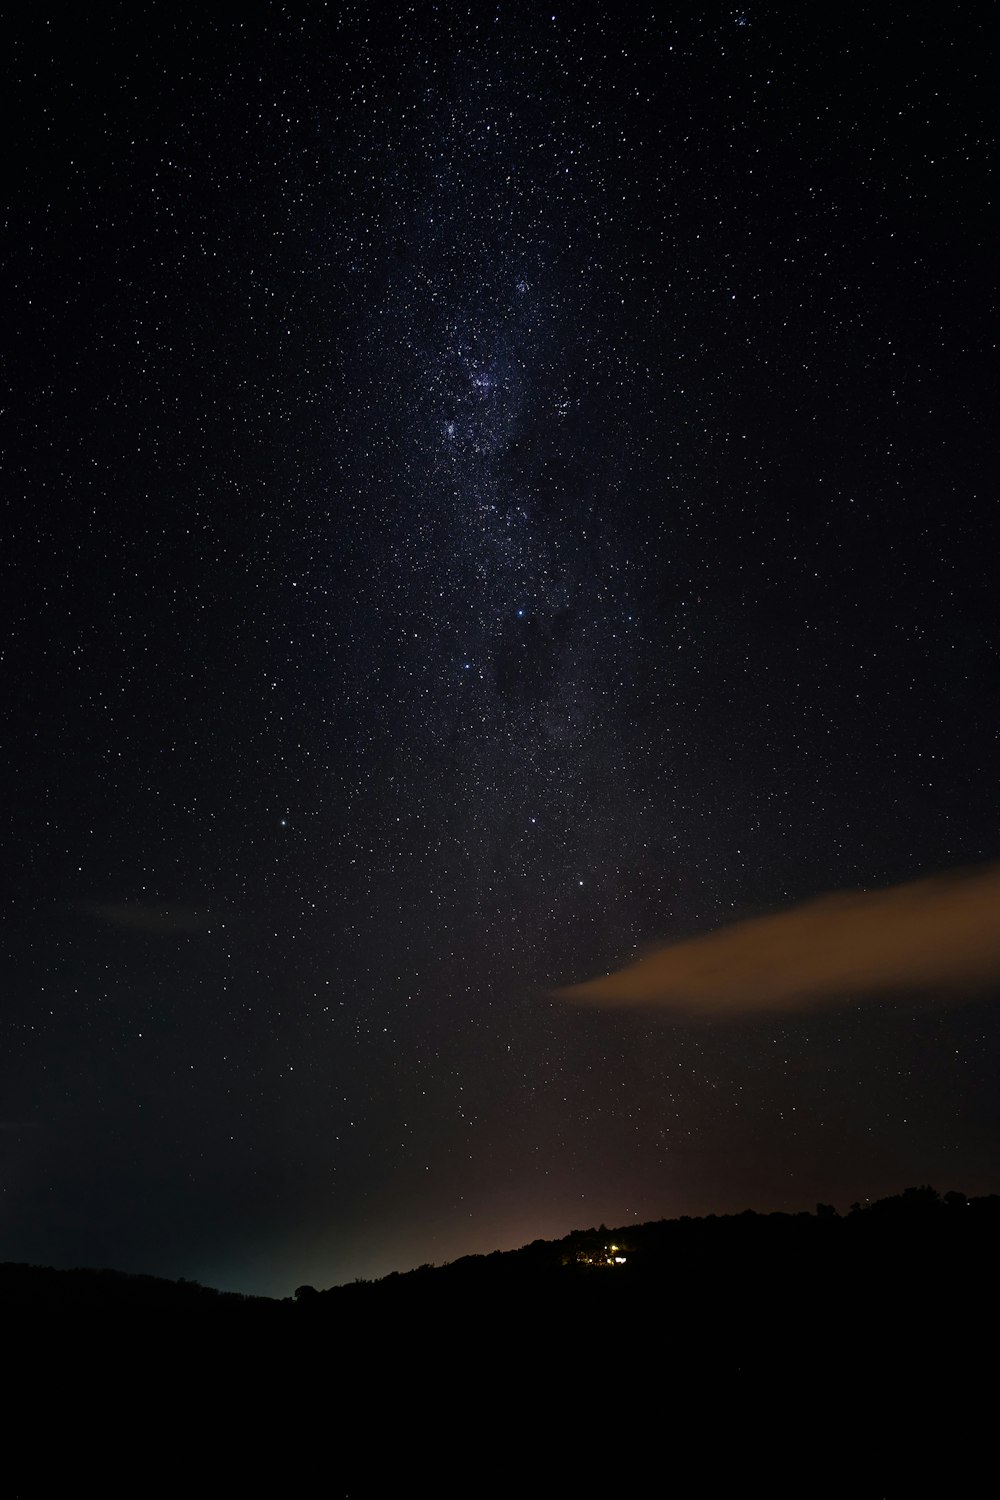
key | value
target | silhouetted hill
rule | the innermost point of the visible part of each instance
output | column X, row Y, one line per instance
column 800, row 1353
column 716, row 1275
column 909, row 1235
column 38, row 1287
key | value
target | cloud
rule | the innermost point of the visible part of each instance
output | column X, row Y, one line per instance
column 165, row 917
column 939, row 935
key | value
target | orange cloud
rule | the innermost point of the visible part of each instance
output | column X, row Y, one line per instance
column 939, row 935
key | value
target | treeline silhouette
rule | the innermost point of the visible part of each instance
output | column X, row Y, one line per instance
column 785, row 1353
column 914, row 1235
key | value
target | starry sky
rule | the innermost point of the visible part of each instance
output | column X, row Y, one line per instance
column 486, row 490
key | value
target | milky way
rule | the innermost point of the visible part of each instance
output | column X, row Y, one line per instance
column 496, row 625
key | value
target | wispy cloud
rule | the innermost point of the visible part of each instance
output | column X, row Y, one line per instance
column 939, row 935
column 163, row 917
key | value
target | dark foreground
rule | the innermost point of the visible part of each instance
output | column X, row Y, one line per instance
column 796, row 1354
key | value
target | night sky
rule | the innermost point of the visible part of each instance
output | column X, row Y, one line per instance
column 486, row 490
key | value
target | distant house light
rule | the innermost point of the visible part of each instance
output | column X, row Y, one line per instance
column 610, row 1255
